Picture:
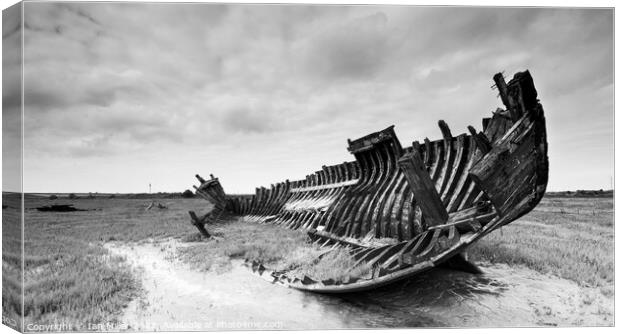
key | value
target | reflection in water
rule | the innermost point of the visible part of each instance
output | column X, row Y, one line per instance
column 177, row 296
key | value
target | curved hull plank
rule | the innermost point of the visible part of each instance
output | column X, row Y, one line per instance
column 404, row 210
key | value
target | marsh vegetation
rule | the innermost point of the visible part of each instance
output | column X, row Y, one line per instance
column 570, row 237
column 278, row 248
column 71, row 276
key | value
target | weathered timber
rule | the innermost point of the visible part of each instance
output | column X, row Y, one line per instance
column 200, row 179
column 404, row 210
column 423, row 188
column 466, row 225
column 500, row 83
column 415, row 146
column 482, row 142
column 427, row 151
column 512, row 109
column 200, row 224
column 514, row 173
column 445, row 130
column 369, row 142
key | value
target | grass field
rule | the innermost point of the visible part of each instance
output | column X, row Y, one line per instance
column 70, row 277
column 572, row 238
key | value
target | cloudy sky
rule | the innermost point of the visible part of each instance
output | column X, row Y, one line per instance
column 118, row 96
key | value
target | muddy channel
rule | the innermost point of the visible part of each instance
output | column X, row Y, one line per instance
column 175, row 297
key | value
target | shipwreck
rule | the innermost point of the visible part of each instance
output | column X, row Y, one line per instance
column 433, row 198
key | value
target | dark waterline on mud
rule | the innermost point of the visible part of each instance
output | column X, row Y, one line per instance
column 182, row 299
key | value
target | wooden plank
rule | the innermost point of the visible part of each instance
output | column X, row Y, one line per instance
column 465, row 225
column 423, row 188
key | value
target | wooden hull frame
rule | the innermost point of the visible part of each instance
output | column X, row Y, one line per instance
column 405, row 210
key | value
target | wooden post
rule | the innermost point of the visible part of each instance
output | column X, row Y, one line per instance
column 500, row 83
column 200, row 179
column 445, row 130
column 423, row 188
column 199, row 223
column 427, row 155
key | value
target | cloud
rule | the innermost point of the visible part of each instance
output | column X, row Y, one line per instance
column 247, row 121
column 258, row 93
column 353, row 50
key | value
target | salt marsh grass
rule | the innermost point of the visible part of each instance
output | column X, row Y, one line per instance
column 69, row 275
column 570, row 237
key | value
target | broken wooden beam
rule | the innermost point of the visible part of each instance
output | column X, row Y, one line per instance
column 500, row 83
column 415, row 146
column 513, row 175
column 428, row 151
column 511, row 105
column 482, row 142
column 485, row 123
column 199, row 223
column 200, row 179
column 423, row 188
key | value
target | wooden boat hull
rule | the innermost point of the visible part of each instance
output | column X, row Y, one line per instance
column 404, row 210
